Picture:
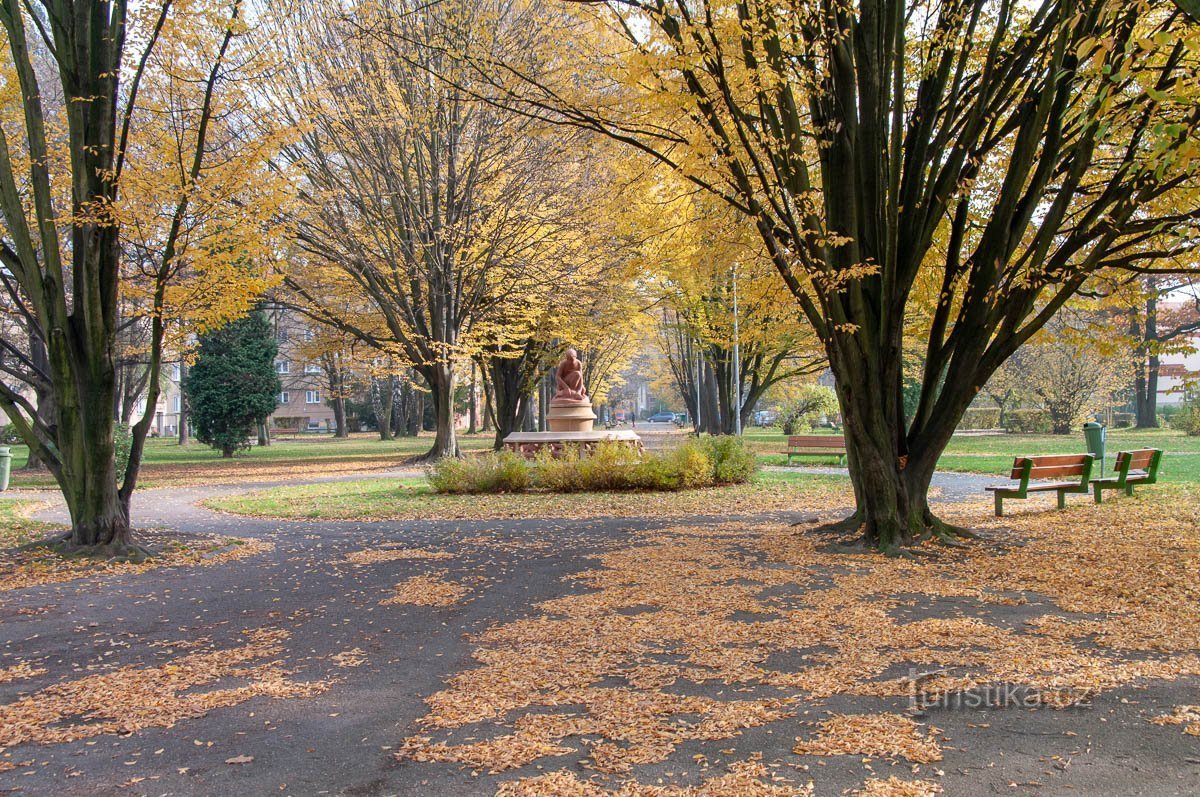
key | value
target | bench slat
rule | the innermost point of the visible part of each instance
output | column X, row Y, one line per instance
column 1049, row 467
column 1054, row 471
column 816, row 441
column 1139, row 460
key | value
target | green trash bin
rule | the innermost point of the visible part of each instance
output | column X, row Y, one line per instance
column 5, row 466
column 1094, row 434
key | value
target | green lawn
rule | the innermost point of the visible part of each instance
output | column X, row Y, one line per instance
column 994, row 453
column 168, row 463
column 377, row 499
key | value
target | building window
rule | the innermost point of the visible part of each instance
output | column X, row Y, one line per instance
column 308, row 334
column 312, row 368
column 285, row 397
column 175, row 371
column 283, row 367
column 178, row 404
column 312, row 397
column 282, row 335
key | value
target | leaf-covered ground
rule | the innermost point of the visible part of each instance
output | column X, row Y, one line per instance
column 637, row 657
column 23, row 566
column 412, row 499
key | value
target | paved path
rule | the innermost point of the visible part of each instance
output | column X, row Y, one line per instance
column 341, row 741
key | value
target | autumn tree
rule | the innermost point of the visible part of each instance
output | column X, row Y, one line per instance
column 725, row 322
column 445, row 213
column 1041, row 143
column 85, row 162
column 1069, row 373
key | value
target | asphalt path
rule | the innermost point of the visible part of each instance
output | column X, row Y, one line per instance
column 341, row 741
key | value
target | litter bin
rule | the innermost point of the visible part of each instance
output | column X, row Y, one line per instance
column 1094, row 434
column 5, row 466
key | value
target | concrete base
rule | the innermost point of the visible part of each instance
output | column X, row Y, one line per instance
column 566, row 416
column 528, row 444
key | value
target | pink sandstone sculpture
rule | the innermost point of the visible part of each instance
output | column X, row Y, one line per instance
column 569, row 381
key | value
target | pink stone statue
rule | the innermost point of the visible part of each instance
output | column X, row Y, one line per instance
column 569, row 380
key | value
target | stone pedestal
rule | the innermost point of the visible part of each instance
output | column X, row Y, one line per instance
column 570, row 416
column 529, row 444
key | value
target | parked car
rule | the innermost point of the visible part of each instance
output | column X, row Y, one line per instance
column 662, row 417
column 765, row 418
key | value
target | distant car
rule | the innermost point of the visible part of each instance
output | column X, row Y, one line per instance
column 662, row 417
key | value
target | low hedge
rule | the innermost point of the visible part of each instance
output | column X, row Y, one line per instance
column 1028, row 421
column 980, row 418
column 608, row 467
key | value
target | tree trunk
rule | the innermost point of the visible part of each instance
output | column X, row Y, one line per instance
column 385, row 394
column 473, row 402
column 1146, row 383
column 337, row 394
column 489, row 421
column 542, row 405
column 510, row 402
column 440, row 378
column 339, row 417
column 709, row 391
column 890, row 468
column 264, row 436
column 89, row 482
column 183, row 405
column 44, row 394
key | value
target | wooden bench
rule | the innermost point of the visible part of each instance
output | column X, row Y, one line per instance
column 1026, row 469
column 1133, row 467
column 276, row 432
column 816, row 445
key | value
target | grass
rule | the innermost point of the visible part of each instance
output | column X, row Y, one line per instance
column 16, row 527
column 169, row 464
column 413, row 499
column 993, row 454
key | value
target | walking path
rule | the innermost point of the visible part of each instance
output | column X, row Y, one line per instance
column 371, row 666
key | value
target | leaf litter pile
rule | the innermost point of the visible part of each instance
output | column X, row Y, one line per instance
column 692, row 635
column 131, row 698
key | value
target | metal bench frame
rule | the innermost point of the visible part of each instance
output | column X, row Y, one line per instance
column 1127, row 474
column 1022, row 471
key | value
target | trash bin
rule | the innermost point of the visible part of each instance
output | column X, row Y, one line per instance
column 5, row 466
column 1094, row 434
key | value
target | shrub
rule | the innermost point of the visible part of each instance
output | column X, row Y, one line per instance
column 1028, row 421
column 1187, row 420
column 609, row 466
column 558, row 474
column 980, row 418
column 494, row 472
column 733, row 461
column 691, row 465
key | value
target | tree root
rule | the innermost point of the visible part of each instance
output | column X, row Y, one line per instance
column 948, row 533
column 48, row 542
column 848, row 525
column 108, row 552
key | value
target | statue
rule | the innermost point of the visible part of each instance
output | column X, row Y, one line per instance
column 569, row 380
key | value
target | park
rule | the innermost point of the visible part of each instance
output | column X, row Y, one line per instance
column 617, row 398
